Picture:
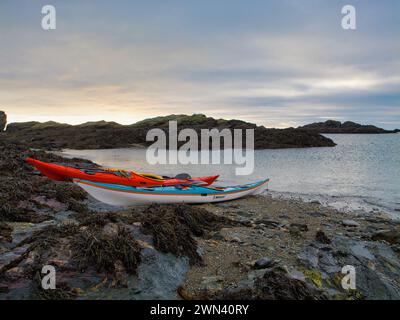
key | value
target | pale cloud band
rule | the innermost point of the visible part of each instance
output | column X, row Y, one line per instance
column 278, row 63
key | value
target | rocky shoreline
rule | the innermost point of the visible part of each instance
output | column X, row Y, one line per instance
column 254, row 248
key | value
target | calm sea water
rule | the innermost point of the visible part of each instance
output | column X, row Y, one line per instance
column 361, row 173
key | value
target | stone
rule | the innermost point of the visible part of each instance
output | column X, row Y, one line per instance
column 212, row 283
column 296, row 274
column 316, row 214
column 228, row 235
column 264, row 263
column 284, row 222
column 350, row 223
column 269, row 223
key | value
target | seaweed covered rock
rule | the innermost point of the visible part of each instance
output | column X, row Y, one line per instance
column 269, row 284
column 104, row 250
column 62, row 292
column 26, row 196
column 82, row 253
column 82, row 246
column 173, row 228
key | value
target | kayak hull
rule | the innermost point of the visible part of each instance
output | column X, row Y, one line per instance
column 130, row 196
column 63, row 173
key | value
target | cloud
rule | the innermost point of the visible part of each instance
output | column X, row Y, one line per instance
column 276, row 63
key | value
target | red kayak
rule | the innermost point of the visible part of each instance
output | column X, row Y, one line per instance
column 113, row 176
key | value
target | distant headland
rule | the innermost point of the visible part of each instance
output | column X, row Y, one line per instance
column 332, row 126
column 106, row 135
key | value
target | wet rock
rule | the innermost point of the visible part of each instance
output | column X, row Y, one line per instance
column 377, row 266
column 390, row 236
column 12, row 259
column 350, row 223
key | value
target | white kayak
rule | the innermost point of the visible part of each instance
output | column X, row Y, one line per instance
column 121, row 195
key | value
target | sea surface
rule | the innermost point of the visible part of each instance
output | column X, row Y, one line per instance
column 362, row 173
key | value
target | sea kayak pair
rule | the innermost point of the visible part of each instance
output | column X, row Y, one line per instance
column 127, row 188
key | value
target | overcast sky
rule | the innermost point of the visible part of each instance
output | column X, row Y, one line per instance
column 277, row 63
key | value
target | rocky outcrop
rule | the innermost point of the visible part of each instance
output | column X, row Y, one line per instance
column 332, row 126
column 105, row 135
column 3, row 120
column 255, row 248
column 376, row 265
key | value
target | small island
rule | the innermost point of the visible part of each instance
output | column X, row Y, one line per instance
column 333, row 126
